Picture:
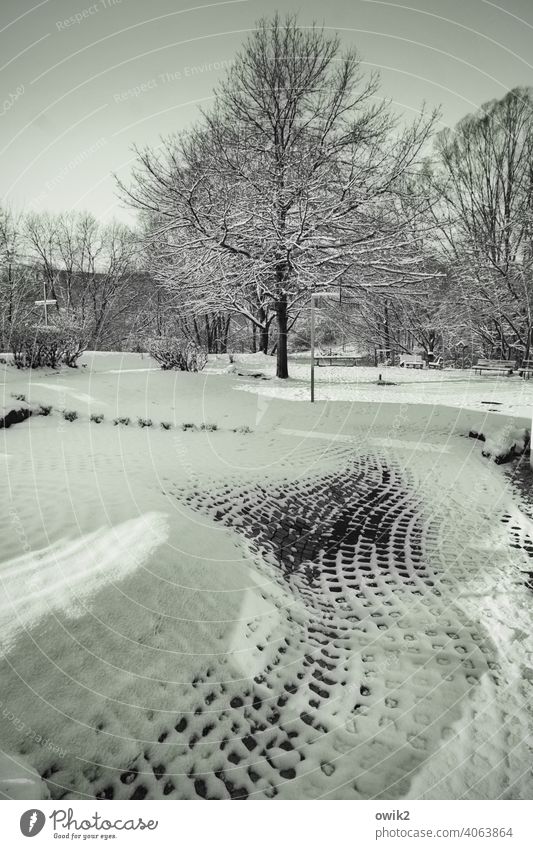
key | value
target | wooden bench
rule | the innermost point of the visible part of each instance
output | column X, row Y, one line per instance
column 436, row 363
column 335, row 360
column 506, row 366
column 526, row 369
column 411, row 361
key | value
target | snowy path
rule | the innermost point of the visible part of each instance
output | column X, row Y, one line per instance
column 382, row 623
column 371, row 642
column 335, row 604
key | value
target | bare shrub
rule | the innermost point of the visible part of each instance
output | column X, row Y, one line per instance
column 171, row 352
column 40, row 346
column 75, row 343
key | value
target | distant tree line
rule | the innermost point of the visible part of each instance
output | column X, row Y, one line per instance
column 478, row 240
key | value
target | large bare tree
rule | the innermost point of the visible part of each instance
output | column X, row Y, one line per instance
column 92, row 270
column 18, row 284
column 288, row 184
column 483, row 184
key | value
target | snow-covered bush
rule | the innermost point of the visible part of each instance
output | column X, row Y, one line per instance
column 11, row 414
column 38, row 346
column 506, row 444
column 171, row 352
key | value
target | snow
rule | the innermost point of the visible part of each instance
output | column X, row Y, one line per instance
column 449, row 387
column 63, row 574
column 507, row 441
column 156, row 638
column 18, row 780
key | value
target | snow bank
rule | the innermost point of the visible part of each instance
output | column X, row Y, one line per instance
column 65, row 574
column 19, row 780
column 504, row 444
column 14, row 413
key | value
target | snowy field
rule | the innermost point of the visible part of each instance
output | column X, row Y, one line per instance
column 450, row 387
column 305, row 602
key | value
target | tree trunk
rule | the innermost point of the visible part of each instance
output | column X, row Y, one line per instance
column 263, row 339
column 282, row 369
column 386, row 328
column 263, row 330
column 197, row 331
column 97, row 332
column 208, row 334
column 225, row 333
column 529, row 340
column 431, row 342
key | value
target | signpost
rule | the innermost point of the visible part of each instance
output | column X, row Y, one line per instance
column 45, row 302
column 314, row 299
column 313, row 348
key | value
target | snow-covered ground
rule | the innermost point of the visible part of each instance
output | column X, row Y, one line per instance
column 323, row 601
column 450, row 387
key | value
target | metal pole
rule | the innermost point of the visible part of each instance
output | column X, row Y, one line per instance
column 312, row 348
column 45, row 307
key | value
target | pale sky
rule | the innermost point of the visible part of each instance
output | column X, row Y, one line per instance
column 82, row 82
